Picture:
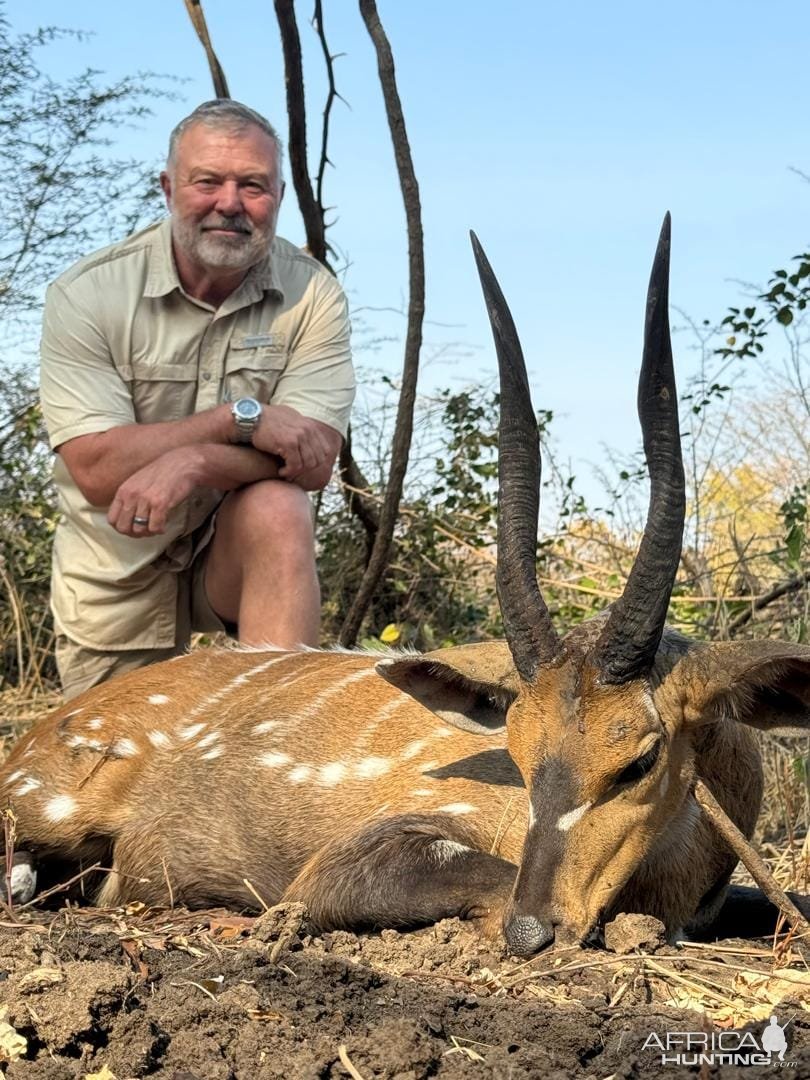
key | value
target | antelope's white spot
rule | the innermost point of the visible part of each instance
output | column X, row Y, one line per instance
column 331, row 774
column 567, row 821
column 60, row 807
column 190, row 730
column 206, row 740
column 29, row 784
column 443, row 732
column 371, row 767
column 457, row 808
column 532, row 818
column 422, row 792
column 273, row 760
column 445, row 850
column 663, row 787
column 264, row 727
column 209, row 755
column 81, row 740
column 299, row 774
column 14, row 776
column 123, row 748
column 413, row 749
column 158, row 699
column 428, row 766
column 75, row 712
column 159, row 739
column 96, row 723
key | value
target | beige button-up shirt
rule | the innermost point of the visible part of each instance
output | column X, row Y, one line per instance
column 122, row 342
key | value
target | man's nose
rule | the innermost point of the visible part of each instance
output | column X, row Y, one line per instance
column 229, row 201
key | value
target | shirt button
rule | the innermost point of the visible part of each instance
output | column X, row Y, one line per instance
column 206, row 375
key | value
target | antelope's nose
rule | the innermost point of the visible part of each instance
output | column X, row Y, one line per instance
column 526, row 935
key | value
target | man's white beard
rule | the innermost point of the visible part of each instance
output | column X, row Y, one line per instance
column 235, row 252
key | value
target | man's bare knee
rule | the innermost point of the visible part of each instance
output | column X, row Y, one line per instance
column 269, row 511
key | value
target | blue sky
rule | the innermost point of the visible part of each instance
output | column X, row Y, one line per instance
column 559, row 132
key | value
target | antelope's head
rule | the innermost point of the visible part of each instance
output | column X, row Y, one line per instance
column 602, row 722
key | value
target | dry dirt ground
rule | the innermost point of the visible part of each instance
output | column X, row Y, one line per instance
column 214, row 996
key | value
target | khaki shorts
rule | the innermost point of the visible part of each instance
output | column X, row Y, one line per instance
column 81, row 667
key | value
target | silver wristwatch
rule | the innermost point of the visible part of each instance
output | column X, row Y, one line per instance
column 246, row 413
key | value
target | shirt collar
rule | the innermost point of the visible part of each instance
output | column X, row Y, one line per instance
column 162, row 277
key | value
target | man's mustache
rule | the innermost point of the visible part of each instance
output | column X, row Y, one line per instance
column 237, row 223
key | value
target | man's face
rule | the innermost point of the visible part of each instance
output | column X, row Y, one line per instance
column 224, row 193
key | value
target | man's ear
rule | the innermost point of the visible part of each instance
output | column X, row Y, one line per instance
column 166, row 185
column 765, row 684
column 471, row 686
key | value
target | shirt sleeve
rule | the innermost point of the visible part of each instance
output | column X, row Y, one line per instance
column 318, row 381
column 80, row 389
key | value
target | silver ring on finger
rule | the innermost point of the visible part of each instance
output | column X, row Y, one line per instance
column 140, row 521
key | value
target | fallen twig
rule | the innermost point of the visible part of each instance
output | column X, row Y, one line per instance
column 750, row 859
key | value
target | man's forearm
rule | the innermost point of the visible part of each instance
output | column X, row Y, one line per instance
column 100, row 463
column 227, row 467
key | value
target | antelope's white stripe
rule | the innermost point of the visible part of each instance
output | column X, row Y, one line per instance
column 190, row 730
column 445, row 850
column 159, row 739
column 235, row 683
column 29, row 784
column 457, row 808
column 209, row 755
column 264, row 727
column 567, row 821
column 96, row 723
column 206, row 740
column 317, row 703
column 385, row 713
column 158, row 699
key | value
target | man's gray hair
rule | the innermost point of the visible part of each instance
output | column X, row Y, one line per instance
column 227, row 114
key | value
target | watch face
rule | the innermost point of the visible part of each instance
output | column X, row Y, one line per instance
column 247, row 409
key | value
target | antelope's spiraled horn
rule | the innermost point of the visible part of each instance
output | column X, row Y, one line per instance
column 628, row 644
column 529, row 631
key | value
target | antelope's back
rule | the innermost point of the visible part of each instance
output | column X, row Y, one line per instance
column 236, row 758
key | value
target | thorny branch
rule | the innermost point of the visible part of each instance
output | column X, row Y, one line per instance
column 311, row 210
column 328, row 59
column 413, row 340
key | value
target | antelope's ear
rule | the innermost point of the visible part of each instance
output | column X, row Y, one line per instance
column 471, row 686
column 765, row 684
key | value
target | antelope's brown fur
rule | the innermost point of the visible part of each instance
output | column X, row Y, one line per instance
column 191, row 812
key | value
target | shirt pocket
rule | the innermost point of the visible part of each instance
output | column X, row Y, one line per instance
column 160, row 391
column 253, row 370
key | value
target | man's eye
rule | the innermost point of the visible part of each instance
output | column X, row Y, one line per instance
column 253, row 188
column 641, row 766
column 205, row 184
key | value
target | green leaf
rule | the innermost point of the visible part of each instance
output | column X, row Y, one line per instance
column 784, row 316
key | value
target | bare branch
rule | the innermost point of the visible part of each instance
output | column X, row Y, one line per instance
column 311, row 210
column 750, row 859
column 195, row 12
column 791, row 585
column 413, row 340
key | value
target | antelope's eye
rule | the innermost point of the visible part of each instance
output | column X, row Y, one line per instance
column 641, row 766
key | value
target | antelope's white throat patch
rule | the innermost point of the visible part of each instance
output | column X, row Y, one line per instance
column 567, row 821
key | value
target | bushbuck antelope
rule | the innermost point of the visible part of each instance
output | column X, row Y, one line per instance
column 543, row 783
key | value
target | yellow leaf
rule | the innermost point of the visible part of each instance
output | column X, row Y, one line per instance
column 105, row 1074
column 391, row 634
column 12, row 1044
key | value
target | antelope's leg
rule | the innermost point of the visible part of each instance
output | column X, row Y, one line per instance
column 403, row 872
column 746, row 913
